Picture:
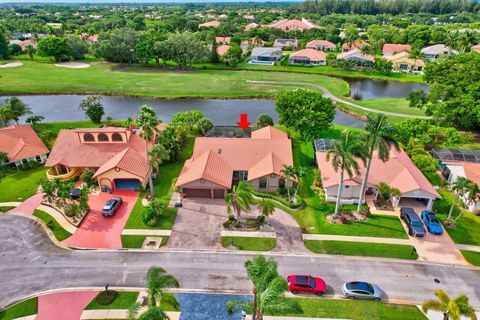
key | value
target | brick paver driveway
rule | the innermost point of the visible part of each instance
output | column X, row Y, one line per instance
column 63, row 305
column 97, row 231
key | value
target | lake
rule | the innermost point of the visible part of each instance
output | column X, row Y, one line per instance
column 368, row 89
column 59, row 108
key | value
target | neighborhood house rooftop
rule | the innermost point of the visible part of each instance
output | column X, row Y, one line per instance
column 460, row 155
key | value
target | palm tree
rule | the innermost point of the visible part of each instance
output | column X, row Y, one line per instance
column 34, row 120
column 18, row 108
column 288, row 173
column 344, row 154
column 266, row 207
column 366, row 49
column 467, row 39
column 268, row 290
column 380, row 137
column 451, row 41
column 158, row 154
column 459, row 187
column 415, row 55
column 239, row 198
column 6, row 115
column 472, row 192
column 147, row 121
column 300, row 173
column 451, row 309
column 30, row 50
column 157, row 280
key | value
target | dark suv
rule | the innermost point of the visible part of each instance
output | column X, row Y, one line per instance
column 415, row 225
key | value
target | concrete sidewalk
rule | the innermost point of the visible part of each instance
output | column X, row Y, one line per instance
column 320, row 237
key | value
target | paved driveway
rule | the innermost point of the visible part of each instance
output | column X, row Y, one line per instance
column 63, row 305
column 96, row 231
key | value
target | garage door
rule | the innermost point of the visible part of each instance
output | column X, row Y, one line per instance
column 127, row 184
column 218, row 193
column 196, row 193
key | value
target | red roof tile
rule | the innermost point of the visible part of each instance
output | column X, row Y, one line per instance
column 395, row 48
column 312, row 54
column 269, row 132
column 316, row 44
column 20, row 142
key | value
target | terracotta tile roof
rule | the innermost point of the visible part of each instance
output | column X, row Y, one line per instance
column 208, row 166
column 399, row 172
column 223, row 49
column 355, row 52
column 404, row 57
column 395, row 48
column 265, row 153
column 472, row 170
column 356, row 45
column 128, row 160
column 293, row 24
column 250, row 26
column 312, row 54
column 315, row 44
column 476, row 48
column 285, row 43
column 213, row 23
column 70, row 152
column 20, row 142
column 224, row 40
column 269, row 133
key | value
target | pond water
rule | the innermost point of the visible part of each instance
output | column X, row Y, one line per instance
column 59, row 108
column 368, row 89
column 200, row 306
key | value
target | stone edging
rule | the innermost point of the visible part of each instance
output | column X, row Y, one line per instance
column 59, row 217
column 249, row 234
column 468, row 247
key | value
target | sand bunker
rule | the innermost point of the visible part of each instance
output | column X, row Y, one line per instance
column 73, row 65
column 11, row 65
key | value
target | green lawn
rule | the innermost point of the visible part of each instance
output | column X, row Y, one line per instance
column 124, row 300
column 6, row 208
column 249, row 244
column 55, row 127
column 22, row 309
column 357, row 310
column 21, row 185
column 136, row 241
column 396, row 105
column 313, row 217
column 362, row 249
column 472, row 256
column 42, row 77
column 59, row 233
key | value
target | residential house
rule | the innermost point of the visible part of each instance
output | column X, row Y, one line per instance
column 219, row 163
column 285, row 43
column 24, row 43
column 118, row 157
column 398, row 172
column 213, row 24
column 476, row 48
column 251, row 25
column 262, row 54
column 222, row 40
column 361, row 59
column 308, row 57
column 245, row 44
column 21, row 144
column 436, row 51
column 322, row 45
column 359, row 44
column 22, row 35
column 403, row 63
column 89, row 38
column 288, row 25
column 390, row 49
column 222, row 49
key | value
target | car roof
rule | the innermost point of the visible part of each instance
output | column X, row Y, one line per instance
column 360, row 285
column 413, row 216
column 300, row 278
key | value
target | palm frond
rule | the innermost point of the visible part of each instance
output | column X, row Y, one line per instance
column 442, row 297
column 432, row 305
column 238, row 305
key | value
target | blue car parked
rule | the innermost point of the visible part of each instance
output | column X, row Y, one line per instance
column 432, row 222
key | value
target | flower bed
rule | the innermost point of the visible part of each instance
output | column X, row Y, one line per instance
column 298, row 202
column 74, row 220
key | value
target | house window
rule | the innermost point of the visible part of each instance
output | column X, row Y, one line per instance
column 38, row 158
column 403, row 66
column 24, row 161
column 102, row 137
column 88, row 137
column 281, row 183
column 117, row 137
column 263, row 183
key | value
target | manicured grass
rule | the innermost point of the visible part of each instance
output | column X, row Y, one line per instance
column 467, row 227
column 362, row 249
column 249, row 244
column 124, row 300
column 55, row 127
column 472, row 256
column 363, row 114
column 312, row 218
column 59, row 233
column 357, row 310
column 45, row 78
column 396, row 105
column 6, row 208
column 136, row 241
column 21, row 185
column 22, row 309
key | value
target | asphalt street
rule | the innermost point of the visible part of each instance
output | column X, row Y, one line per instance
column 31, row 263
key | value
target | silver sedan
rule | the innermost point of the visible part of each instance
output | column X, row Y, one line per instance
column 361, row 291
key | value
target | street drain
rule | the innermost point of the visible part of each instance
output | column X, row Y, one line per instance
column 436, row 280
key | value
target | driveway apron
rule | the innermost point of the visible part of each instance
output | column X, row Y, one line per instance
column 63, row 305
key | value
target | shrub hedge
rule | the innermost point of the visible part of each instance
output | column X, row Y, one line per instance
column 292, row 205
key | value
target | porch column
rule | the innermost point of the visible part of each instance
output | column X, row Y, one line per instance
column 430, row 204
column 212, row 194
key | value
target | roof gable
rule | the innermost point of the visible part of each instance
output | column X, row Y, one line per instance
column 20, row 142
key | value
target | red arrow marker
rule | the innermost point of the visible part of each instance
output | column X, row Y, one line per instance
column 243, row 123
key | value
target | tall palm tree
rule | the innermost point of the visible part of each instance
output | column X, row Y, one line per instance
column 300, row 173
column 472, row 192
column 344, row 154
column 459, row 187
column 6, row 115
column 148, row 121
column 380, row 137
column 158, row 154
column 239, row 198
column 266, row 207
column 452, row 309
column 452, row 39
column 268, row 290
column 467, row 39
column 415, row 55
column 288, row 173
column 18, row 108
column 157, row 281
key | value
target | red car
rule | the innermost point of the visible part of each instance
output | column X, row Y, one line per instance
column 306, row 284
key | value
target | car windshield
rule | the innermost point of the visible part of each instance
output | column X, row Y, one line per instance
column 312, row 282
column 109, row 204
column 360, row 286
column 434, row 220
column 416, row 223
column 301, row 279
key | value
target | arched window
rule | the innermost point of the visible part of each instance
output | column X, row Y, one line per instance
column 102, row 137
column 117, row 137
column 88, row 137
